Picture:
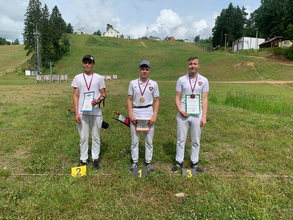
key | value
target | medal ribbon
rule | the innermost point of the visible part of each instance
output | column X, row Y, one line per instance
column 144, row 87
column 192, row 89
column 88, row 87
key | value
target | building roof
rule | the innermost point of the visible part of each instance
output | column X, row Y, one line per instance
column 112, row 29
column 154, row 38
column 272, row 39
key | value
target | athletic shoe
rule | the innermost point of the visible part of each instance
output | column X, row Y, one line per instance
column 196, row 167
column 149, row 167
column 177, row 166
column 81, row 163
column 134, row 165
column 96, row 165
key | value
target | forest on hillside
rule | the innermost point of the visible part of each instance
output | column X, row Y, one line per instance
column 271, row 19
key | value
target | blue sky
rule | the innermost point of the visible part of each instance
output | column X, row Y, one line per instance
column 182, row 19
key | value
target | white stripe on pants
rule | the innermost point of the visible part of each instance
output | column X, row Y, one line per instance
column 148, row 137
column 195, row 131
column 89, row 123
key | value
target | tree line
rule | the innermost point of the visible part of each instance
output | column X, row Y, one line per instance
column 51, row 29
column 273, row 18
column 3, row 41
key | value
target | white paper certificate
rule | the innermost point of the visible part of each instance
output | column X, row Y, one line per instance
column 192, row 105
column 87, row 102
column 142, row 125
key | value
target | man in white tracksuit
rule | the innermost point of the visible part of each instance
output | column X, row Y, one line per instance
column 142, row 92
column 190, row 87
column 88, row 115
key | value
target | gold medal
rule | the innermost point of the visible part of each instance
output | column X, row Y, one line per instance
column 141, row 100
column 192, row 96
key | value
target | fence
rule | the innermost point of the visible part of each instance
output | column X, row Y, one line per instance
column 51, row 78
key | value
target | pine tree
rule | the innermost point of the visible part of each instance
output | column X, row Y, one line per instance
column 69, row 29
column 31, row 22
column 58, row 28
column 46, row 45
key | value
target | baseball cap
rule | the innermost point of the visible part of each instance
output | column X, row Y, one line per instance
column 145, row 63
column 88, row 57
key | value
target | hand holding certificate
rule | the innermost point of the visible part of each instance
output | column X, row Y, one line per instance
column 192, row 104
column 87, row 102
column 142, row 125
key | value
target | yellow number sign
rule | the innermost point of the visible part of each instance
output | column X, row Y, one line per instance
column 78, row 171
column 189, row 173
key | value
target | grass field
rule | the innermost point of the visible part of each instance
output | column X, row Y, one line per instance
column 246, row 149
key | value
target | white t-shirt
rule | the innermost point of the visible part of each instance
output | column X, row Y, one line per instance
column 86, row 83
column 183, row 86
column 149, row 90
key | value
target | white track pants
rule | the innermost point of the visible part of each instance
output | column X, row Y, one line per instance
column 148, row 137
column 89, row 123
column 195, row 131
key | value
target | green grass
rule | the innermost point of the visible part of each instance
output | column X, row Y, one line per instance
column 246, row 146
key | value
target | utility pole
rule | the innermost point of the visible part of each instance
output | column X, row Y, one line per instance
column 225, row 41
column 51, row 63
column 256, row 44
column 38, row 59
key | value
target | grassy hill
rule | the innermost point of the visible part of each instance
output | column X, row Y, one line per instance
column 11, row 57
column 246, row 147
column 168, row 59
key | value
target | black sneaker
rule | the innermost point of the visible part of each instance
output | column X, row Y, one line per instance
column 149, row 167
column 96, row 165
column 177, row 166
column 81, row 163
column 196, row 167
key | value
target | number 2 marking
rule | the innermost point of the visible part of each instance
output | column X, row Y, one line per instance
column 189, row 173
column 139, row 172
column 78, row 173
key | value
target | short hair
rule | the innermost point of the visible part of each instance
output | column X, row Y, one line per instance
column 193, row 58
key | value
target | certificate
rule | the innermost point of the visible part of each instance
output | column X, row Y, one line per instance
column 87, row 102
column 142, row 125
column 192, row 104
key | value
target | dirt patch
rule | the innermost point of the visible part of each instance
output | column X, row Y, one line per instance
column 250, row 64
column 238, row 65
column 143, row 44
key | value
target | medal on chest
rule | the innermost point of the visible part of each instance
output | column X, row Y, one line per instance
column 192, row 96
column 142, row 99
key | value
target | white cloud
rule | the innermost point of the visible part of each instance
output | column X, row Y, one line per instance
column 12, row 18
column 199, row 25
column 91, row 17
column 169, row 19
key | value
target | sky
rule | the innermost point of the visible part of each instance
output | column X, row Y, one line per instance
column 182, row 19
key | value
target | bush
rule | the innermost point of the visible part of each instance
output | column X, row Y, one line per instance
column 278, row 51
column 288, row 53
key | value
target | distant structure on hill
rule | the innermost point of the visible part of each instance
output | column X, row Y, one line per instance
column 272, row 42
column 154, row 38
column 245, row 43
column 170, row 39
column 111, row 32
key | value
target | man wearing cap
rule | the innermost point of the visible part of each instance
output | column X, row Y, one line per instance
column 142, row 92
column 89, row 91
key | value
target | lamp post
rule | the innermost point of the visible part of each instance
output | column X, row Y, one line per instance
column 256, row 44
column 225, row 41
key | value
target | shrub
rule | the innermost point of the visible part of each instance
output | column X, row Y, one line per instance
column 278, row 51
column 288, row 53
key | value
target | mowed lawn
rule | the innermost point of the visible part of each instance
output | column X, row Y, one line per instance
column 246, row 146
